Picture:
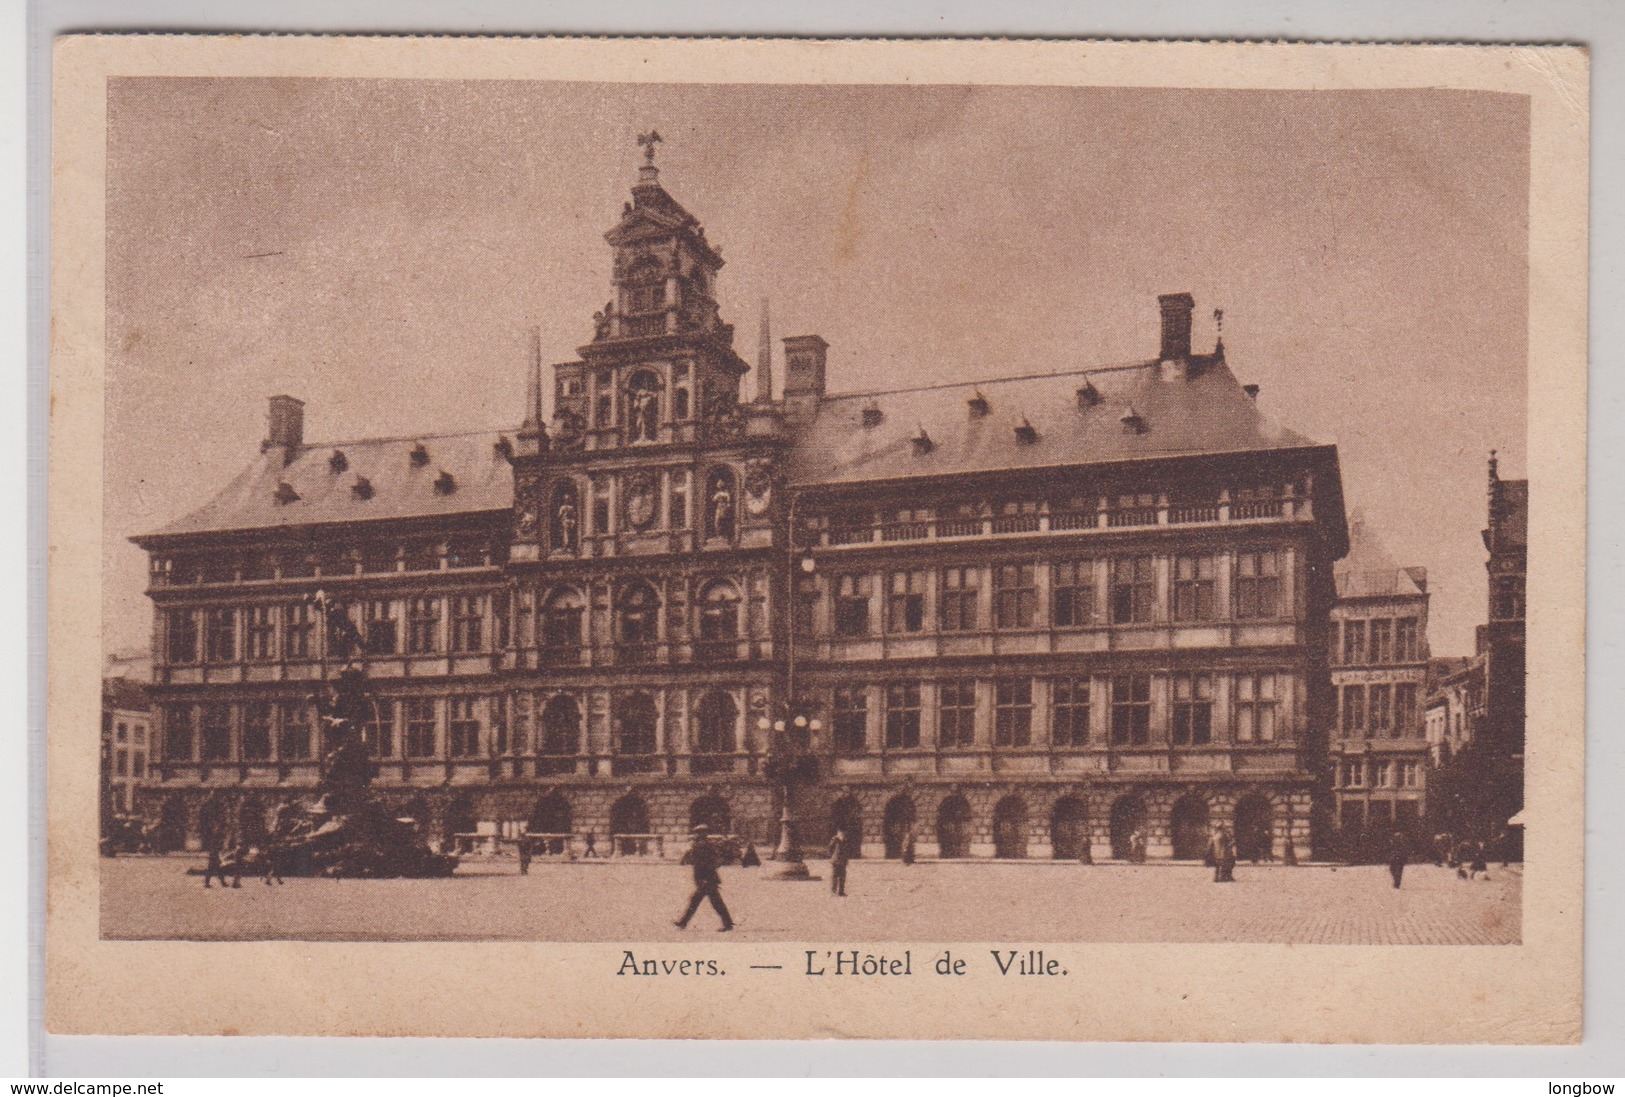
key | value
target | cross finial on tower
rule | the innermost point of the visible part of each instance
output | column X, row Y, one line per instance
column 648, row 141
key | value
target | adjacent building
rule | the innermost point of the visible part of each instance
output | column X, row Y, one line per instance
column 1379, row 658
column 127, row 742
column 1023, row 617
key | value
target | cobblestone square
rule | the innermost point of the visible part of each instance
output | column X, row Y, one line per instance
column 1038, row 901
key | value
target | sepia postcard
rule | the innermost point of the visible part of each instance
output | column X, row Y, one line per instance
column 801, row 539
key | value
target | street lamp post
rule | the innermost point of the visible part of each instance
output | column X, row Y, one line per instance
column 789, row 765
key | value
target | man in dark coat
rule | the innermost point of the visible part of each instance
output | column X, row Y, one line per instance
column 1399, row 852
column 704, row 857
column 1222, row 849
column 840, row 852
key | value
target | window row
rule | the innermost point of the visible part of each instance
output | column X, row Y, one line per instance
column 1367, row 773
column 1377, row 640
column 1188, row 714
column 377, row 558
column 1070, row 594
column 1383, row 709
column 641, row 502
column 1080, row 510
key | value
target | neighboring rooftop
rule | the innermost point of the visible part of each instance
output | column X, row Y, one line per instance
column 1369, row 571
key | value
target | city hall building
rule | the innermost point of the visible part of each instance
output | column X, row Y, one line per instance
column 1024, row 617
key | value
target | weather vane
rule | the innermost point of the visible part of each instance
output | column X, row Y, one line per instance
column 648, row 141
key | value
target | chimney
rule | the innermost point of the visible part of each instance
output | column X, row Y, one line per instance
column 286, row 427
column 805, row 357
column 1176, row 326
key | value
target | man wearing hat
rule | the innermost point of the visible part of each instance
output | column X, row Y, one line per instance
column 705, row 857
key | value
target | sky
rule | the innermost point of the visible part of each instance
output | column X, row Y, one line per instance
column 384, row 249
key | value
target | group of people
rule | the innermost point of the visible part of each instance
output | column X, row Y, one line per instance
column 706, row 855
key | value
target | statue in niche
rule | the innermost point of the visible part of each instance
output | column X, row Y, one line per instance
column 721, row 506
column 603, row 321
column 645, row 416
column 566, row 519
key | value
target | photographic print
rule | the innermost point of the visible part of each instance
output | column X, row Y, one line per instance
column 890, row 539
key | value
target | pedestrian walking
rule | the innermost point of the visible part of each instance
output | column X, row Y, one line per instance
column 591, row 841
column 704, row 857
column 840, row 852
column 1399, row 852
column 524, row 856
column 239, row 854
column 214, row 868
column 1222, row 848
column 1137, row 846
column 908, row 847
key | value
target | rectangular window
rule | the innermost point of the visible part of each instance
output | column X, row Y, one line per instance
column 220, row 635
column 1379, row 709
column 1074, row 594
column 956, row 713
column 298, row 625
column 1381, row 639
column 216, row 733
column 1410, row 775
column 180, row 743
column 463, row 726
column 1015, row 595
column 903, row 716
column 1258, row 585
column 1353, row 710
column 1134, row 590
column 1353, row 642
column 1131, row 710
column 1193, row 710
column 380, row 729
column 420, row 727
column 1013, row 712
column 1405, row 647
column 1256, row 700
column 1069, row 712
column 467, row 622
column 1194, row 588
column 807, row 598
column 1354, row 777
column 851, row 720
column 1404, row 709
column 852, row 605
column 259, row 724
column 423, row 626
column 422, row 556
column 905, row 601
column 260, row 633
column 500, row 620
column 295, row 743
column 957, row 599
column 1382, row 775
column 382, row 631
column 497, row 707
column 181, row 626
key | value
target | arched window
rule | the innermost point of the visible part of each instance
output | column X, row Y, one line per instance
column 1128, row 828
column 715, row 736
column 899, row 824
column 564, row 517
column 711, row 811
column 1255, row 828
column 721, row 504
column 1069, row 829
column 637, row 622
column 628, row 823
column 719, row 620
column 562, row 619
column 1189, row 824
column 953, row 827
column 1010, row 828
column 643, row 406
column 561, row 735
column 846, row 814
column 635, row 723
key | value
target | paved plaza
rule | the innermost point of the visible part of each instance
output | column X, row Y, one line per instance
column 152, row 897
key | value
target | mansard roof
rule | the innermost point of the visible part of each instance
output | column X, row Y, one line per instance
column 1083, row 417
column 371, row 479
